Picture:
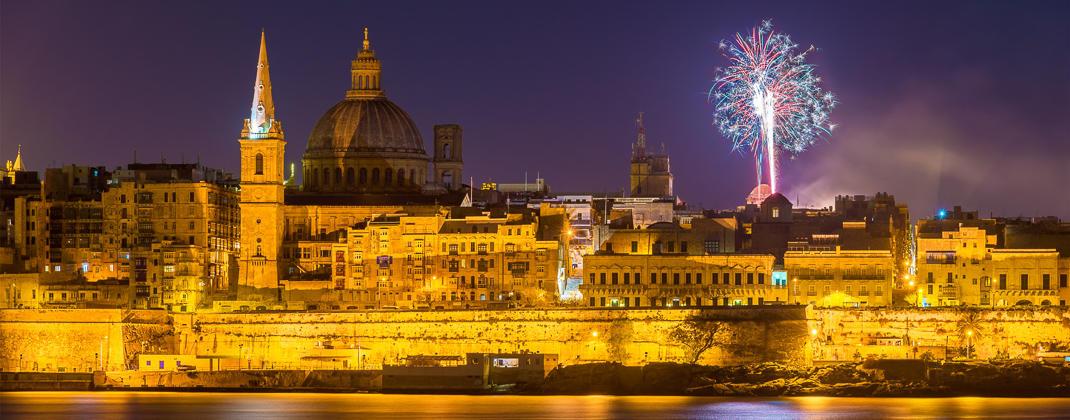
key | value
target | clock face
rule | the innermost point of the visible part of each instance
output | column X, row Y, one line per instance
column 258, row 194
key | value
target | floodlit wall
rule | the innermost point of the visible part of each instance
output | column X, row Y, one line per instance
column 72, row 340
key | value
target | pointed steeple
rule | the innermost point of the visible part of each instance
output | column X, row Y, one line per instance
column 262, row 114
column 17, row 165
column 639, row 147
column 365, row 72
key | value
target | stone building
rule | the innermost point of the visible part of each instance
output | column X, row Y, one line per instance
column 371, row 225
column 966, row 267
column 679, row 279
column 650, row 175
column 90, row 229
column 459, row 259
column 849, row 278
column 667, row 264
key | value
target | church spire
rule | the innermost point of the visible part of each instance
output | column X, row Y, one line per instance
column 365, row 73
column 639, row 147
column 262, row 113
column 17, row 166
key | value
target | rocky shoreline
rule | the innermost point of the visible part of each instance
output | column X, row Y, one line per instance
column 889, row 378
column 874, row 378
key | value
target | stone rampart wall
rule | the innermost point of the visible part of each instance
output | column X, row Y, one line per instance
column 72, row 340
column 992, row 333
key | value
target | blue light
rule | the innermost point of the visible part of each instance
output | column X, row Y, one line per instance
column 780, row 278
column 941, row 214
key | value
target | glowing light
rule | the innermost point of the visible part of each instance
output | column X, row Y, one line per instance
column 813, row 332
column 769, row 98
column 594, row 334
column 941, row 214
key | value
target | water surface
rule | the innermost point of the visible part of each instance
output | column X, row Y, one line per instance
column 204, row 406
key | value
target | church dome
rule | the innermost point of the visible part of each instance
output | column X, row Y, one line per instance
column 365, row 127
column 365, row 143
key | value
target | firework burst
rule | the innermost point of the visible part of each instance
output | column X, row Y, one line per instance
column 768, row 98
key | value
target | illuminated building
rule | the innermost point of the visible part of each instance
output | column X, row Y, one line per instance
column 965, row 267
column 367, row 229
column 650, row 175
column 680, row 280
column 839, row 277
column 671, row 265
column 462, row 259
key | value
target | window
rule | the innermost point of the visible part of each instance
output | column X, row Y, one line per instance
column 687, row 278
column 683, row 246
column 259, row 164
column 602, row 278
column 1025, row 282
column 712, row 247
column 739, row 279
column 776, row 212
column 1002, row 282
column 761, row 278
column 675, row 278
column 627, row 278
column 635, row 247
column 750, row 278
column 1062, row 280
column 1046, row 281
column 698, row 278
column 614, row 278
column 653, row 278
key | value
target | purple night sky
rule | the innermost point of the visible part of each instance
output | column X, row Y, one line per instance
column 940, row 104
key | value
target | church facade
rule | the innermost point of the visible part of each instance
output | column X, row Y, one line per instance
column 375, row 221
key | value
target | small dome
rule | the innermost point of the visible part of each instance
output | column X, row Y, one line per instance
column 364, row 127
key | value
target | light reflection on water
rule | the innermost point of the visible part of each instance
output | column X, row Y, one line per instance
column 204, row 406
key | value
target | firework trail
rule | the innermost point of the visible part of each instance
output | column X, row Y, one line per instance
column 768, row 98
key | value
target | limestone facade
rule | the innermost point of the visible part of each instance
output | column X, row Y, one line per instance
column 680, row 280
column 851, row 278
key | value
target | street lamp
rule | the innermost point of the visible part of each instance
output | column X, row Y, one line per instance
column 969, row 342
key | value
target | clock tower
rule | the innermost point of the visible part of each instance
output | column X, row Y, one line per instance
column 262, row 145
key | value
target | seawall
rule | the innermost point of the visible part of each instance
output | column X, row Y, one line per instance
column 89, row 340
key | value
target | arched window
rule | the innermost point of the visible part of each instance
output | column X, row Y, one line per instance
column 350, row 178
column 259, row 164
column 447, row 179
column 326, row 177
column 363, row 176
column 388, row 177
column 375, row 176
column 401, row 177
column 337, row 176
column 412, row 177
column 446, row 151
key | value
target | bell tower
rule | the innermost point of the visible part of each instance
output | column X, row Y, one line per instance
column 447, row 157
column 262, row 145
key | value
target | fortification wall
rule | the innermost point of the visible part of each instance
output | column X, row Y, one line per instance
column 81, row 340
column 581, row 335
column 992, row 333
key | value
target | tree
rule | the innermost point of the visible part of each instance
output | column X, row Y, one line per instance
column 696, row 335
